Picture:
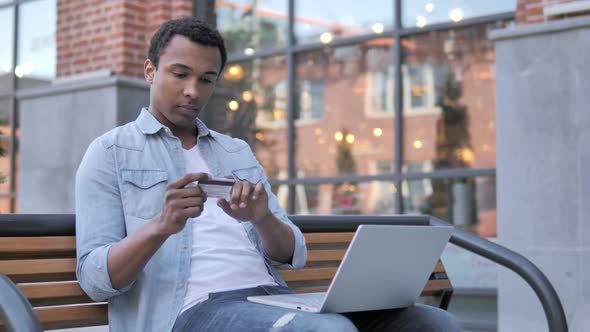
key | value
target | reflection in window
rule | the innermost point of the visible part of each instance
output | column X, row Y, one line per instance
column 310, row 104
column 335, row 126
column 250, row 103
column 250, row 25
column 421, row 13
column 307, row 197
column 6, row 50
column 418, row 88
column 322, row 22
column 274, row 109
column 385, row 191
column 5, row 204
column 469, row 203
column 380, row 79
column 414, row 191
column 449, row 98
column 5, row 132
column 36, row 43
column 344, row 198
column 423, row 84
column 380, row 87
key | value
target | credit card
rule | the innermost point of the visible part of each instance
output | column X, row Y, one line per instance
column 217, row 187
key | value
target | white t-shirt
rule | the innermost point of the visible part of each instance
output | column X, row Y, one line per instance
column 223, row 257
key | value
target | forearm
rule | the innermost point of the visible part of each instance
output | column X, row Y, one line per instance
column 130, row 255
column 277, row 238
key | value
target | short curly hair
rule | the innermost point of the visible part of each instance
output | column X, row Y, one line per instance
column 194, row 29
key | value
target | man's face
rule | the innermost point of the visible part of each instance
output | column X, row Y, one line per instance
column 183, row 82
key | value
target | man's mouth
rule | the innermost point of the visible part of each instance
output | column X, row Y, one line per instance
column 189, row 107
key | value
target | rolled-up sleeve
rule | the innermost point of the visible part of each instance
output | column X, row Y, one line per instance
column 300, row 251
column 100, row 220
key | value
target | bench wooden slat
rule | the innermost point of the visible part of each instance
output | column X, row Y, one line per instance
column 54, row 293
column 39, row 270
column 60, row 317
column 439, row 268
column 37, row 246
column 311, row 290
column 314, row 256
column 307, row 274
column 327, row 238
column 434, row 287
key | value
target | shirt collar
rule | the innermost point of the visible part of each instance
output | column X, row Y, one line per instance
column 148, row 124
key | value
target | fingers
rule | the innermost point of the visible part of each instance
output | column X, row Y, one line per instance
column 243, row 192
column 193, row 212
column 187, row 179
column 188, row 192
column 181, row 215
column 236, row 193
column 189, row 207
column 259, row 191
column 246, row 190
column 240, row 194
column 224, row 205
column 190, row 202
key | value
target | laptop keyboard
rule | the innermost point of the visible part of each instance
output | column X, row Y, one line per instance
column 314, row 300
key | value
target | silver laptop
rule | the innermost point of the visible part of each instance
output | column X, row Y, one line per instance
column 384, row 267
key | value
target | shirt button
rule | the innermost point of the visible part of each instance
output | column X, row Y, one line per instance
column 184, row 247
column 180, row 284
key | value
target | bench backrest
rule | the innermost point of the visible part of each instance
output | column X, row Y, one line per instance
column 44, row 269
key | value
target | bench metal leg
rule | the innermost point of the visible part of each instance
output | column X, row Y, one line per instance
column 446, row 299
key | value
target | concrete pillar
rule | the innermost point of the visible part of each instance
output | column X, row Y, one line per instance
column 57, row 124
column 543, row 166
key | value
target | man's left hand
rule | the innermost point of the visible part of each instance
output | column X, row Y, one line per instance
column 248, row 202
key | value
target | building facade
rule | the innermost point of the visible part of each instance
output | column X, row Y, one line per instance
column 344, row 119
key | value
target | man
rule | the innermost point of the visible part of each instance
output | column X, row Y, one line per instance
column 164, row 255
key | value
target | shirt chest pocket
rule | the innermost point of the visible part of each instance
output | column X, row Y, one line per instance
column 142, row 191
column 251, row 174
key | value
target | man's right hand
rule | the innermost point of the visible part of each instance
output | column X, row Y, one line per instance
column 181, row 201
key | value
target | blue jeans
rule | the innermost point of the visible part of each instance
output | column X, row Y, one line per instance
column 230, row 311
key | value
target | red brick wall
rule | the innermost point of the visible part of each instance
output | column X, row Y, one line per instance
column 111, row 34
column 531, row 11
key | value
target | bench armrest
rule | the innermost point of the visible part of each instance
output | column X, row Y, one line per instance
column 15, row 310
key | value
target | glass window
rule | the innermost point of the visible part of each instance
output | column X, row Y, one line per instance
column 6, row 51
column 375, row 197
column 250, row 103
column 5, row 204
column 449, row 99
column 5, row 132
column 322, row 21
column 36, row 43
column 249, row 25
column 344, row 109
column 420, row 13
column 469, row 203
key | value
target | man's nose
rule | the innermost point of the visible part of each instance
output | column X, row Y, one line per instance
column 191, row 90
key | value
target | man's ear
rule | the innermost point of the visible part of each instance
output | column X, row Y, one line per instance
column 149, row 70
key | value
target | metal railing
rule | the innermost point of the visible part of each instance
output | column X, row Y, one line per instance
column 39, row 225
column 523, row 267
column 15, row 310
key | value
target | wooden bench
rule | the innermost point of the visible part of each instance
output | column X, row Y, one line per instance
column 44, row 269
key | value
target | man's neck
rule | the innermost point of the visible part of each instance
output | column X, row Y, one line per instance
column 188, row 139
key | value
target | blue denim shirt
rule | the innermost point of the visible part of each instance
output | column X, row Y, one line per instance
column 120, row 186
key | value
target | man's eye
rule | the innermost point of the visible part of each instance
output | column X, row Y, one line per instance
column 207, row 80
column 180, row 75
